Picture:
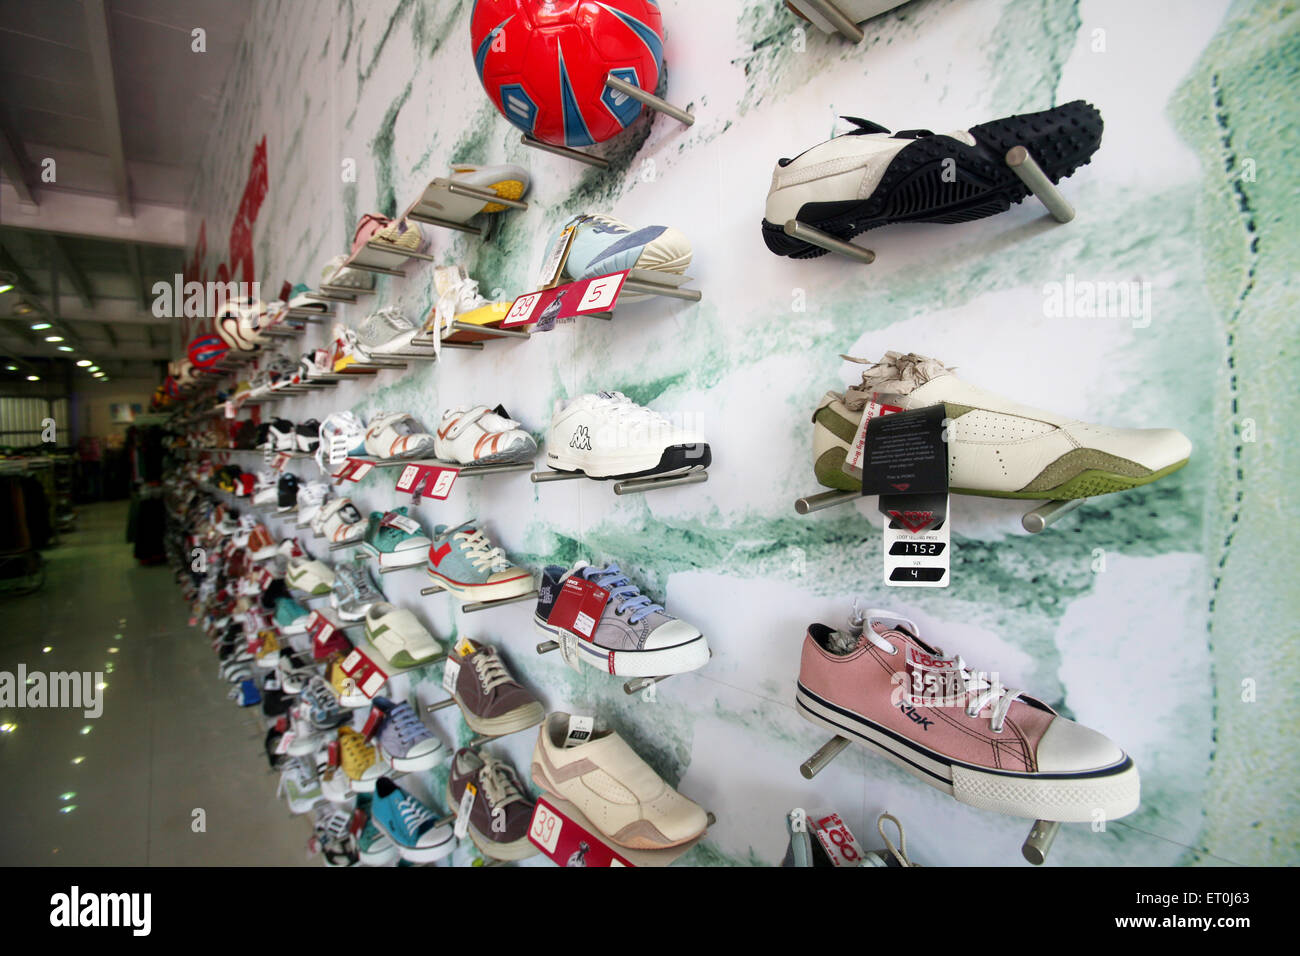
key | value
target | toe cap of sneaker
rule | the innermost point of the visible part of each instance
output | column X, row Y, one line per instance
column 671, row 634
column 1067, row 747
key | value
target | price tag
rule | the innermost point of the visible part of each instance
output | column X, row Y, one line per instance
column 600, row 293
column 231, row 410
column 558, row 253
column 354, row 469
column 462, row 812
column 435, row 481
column 545, row 829
column 283, row 744
column 578, row 606
column 281, row 459
column 401, row 522
column 838, row 841
column 522, row 309
column 450, row 674
column 873, row 410
column 364, row 672
column 580, row 729
column 373, row 721
column 917, row 541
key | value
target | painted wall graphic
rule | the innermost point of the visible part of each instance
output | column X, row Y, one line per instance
column 1178, row 643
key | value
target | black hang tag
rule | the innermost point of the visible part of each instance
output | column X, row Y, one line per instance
column 906, row 454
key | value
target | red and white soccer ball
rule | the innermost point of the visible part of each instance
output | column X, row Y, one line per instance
column 544, row 63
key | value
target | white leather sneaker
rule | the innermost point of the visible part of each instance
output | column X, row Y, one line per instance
column 341, row 521
column 398, row 435
column 996, row 447
column 399, row 636
column 614, row 788
column 607, row 435
column 479, row 435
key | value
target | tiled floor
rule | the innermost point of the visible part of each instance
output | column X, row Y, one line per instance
column 123, row 788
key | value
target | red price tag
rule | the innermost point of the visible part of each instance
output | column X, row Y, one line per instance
column 838, row 841
column 433, row 481
column 566, row 842
column 578, row 607
column 585, row 296
column 280, row 461
column 369, row 678
column 354, row 469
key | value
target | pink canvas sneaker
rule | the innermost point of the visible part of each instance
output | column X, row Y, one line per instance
column 960, row 731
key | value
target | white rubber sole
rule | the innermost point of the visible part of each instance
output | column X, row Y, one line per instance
column 423, row 762
column 398, row 559
column 484, row 592
column 521, row 718
column 607, row 466
column 679, row 659
column 424, row 854
column 1068, row 798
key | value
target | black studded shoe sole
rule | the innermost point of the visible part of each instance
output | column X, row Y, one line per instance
column 940, row 179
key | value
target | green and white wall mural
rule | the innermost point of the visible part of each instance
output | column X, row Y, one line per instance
column 1164, row 617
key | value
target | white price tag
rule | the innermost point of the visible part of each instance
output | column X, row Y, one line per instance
column 462, row 812
column 584, row 624
column 351, row 661
column 545, row 828
column 402, row 522
column 601, row 293
column 918, row 559
column 558, row 253
column 580, row 729
column 442, row 484
column 373, row 684
column 450, row 674
column 286, row 739
column 407, row 477
column 522, row 309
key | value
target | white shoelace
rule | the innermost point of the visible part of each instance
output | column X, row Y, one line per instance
column 978, row 691
column 491, row 669
column 482, row 553
column 498, row 784
column 413, row 813
column 624, row 409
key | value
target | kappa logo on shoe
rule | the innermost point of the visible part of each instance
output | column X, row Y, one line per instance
column 581, row 439
column 914, row 716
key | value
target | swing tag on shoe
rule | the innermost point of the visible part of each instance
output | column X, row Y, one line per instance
column 462, row 812
column 373, row 720
column 917, row 541
column 841, row 847
column 450, row 674
column 874, row 409
column 580, row 730
column 559, row 253
column 578, row 607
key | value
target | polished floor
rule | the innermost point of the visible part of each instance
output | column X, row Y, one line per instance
column 171, row 773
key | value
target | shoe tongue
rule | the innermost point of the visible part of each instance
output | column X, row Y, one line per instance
column 863, row 127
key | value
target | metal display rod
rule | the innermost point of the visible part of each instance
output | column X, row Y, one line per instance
column 618, row 85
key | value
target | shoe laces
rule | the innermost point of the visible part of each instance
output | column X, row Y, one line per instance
column 481, row 552
column 977, row 691
column 413, row 812
column 609, row 224
column 462, row 297
column 406, row 723
column 491, row 669
column 629, row 597
column 498, row 783
column 624, row 409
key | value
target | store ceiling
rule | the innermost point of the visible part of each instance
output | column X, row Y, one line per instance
column 112, row 92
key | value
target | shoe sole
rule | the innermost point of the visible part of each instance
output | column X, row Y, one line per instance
column 496, row 591
column 1064, row 797
column 424, row 762
column 674, row 459
column 520, row 849
column 521, row 718
column 420, row 854
column 679, row 659
column 913, row 187
column 397, row 559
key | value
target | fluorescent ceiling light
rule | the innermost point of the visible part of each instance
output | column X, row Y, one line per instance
column 84, row 363
column 54, row 338
column 33, row 378
column 66, row 348
column 6, row 287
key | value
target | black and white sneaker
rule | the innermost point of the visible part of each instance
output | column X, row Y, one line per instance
column 281, row 435
column 308, row 436
column 869, row 178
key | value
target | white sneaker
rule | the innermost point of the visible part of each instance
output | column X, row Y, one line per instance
column 398, row 435
column 334, row 274
column 341, row 521
column 607, row 435
column 344, row 430
column 347, row 348
column 459, row 301
column 998, row 447
column 385, row 332
column 399, row 636
column 507, row 181
column 614, row 788
column 480, row 435
column 310, row 498
column 306, row 574
column 266, row 489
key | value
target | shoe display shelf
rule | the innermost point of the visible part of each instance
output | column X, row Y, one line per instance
column 478, row 740
column 425, row 208
column 424, row 346
column 619, row 87
column 631, row 486
column 632, row 686
column 1018, row 159
column 1036, row 520
column 472, row 606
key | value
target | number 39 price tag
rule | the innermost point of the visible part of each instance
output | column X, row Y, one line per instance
column 523, row 308
column 545, row 828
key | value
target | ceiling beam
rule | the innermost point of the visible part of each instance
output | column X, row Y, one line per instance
column 109, row 334
column 14, row 162
column 101, row 60
column 59, row 254
column 133, row 258
column 20, row 328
